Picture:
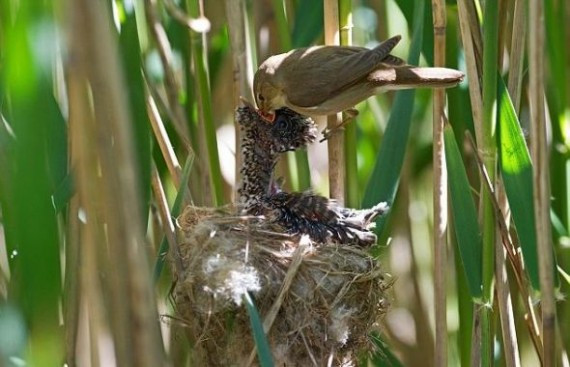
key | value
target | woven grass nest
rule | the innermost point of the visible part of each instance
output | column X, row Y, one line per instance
column 320, row 300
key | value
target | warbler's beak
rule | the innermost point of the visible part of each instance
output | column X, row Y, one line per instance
column 267, row 116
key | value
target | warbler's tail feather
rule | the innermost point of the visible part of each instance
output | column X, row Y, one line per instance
column 405, row 77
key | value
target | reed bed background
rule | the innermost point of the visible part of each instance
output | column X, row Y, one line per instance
column 117, row 114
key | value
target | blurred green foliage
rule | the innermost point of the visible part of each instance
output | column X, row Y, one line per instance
column 392, row 143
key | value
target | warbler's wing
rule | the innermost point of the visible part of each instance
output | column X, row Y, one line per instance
column 311, row 76
column 393, row 60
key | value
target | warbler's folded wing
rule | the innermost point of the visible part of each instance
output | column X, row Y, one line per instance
column 315, row 74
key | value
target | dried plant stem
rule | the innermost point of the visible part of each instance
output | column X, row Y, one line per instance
column 72, row 296
column 503, row 34
column 488, row 149
column 541, row 178
column 165, row 52
column 167, row 224
column 483, row 101
column 504, row 300
column 352, row 193
column 82, row 151
column 514, row 258
column 468, row 36
column 108, row 188
column 472, row 69
column 472, row 19
column 424, row 334
column 439, row 192
column 208, row 145
column 336, row 142
column 242, row 65
column 296, row 260
column 163, row 141
column 516, row 58
column 73, row 253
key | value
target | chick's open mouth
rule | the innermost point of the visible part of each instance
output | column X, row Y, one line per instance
column 267, row 116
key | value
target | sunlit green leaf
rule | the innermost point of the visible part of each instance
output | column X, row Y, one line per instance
column 176, row 209
column 464, row 215
column 516, row 169
column 308, row 23
column 30, row 218
column 131, row 62
column 408, row 9
column 385, row 177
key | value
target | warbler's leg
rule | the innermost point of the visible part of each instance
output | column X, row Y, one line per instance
column 350, row 114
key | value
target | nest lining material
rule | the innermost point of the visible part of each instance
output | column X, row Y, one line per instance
column 318, row 301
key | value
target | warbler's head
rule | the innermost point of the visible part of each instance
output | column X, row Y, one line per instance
column 268, row 96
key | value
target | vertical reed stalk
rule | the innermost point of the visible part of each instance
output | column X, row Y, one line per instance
column 171, row 85
column 541, row 178
column 504, row 300
column 81, row 149
column 336, row 142
column 439, row 192
column 298, row 161
column 488, row 150
column 73, row 255
column 163, row 141
column 242, row 64
column 204, row 100
column 108, row 189
column 350, row 132
column 471, row 61
column 469, row 37
column 516, row 58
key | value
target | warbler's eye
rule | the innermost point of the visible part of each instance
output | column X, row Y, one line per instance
column 260, row 97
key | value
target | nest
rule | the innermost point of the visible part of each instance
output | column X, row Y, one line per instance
column 318, row 301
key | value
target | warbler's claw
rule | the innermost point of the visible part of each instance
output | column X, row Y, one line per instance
column 350, row 114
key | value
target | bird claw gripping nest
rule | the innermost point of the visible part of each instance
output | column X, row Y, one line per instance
column 319, row 295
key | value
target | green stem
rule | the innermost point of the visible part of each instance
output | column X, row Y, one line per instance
column 297, row 162
column 202, row 74
column 282, row 25
column 464, row 307
column 559, row 107
column 489, row 152
column 351, row 166
column 350, row 135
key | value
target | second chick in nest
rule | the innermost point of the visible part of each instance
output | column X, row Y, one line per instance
column 320, row 218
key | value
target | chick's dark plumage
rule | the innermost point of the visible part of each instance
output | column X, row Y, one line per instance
column 320, row 218
column 261, row 145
